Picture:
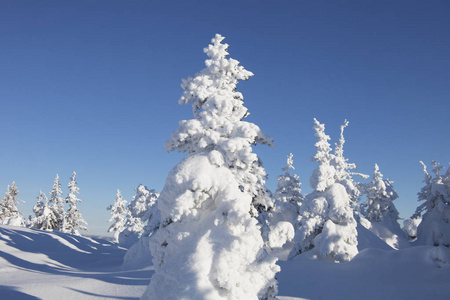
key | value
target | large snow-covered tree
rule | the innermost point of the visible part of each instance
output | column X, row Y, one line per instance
column 218, row 123
column 56, row 204
column 435, row 210
column 206, row 224
column 73, row 218
column 9, row 213
column 327, row 226
column 118, row 216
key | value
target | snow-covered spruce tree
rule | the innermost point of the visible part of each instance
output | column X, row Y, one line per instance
column 218, row 123
column 56, row 204
column 142, row 217
column 38, row 210
column 118, row 216
column 9, row 213
column 435, row 210
column 74, row 219
column 380, row 197
column 344, row 171
column 142, row 221
column 288, row 195
column 209, row 246
column 382, row 216
column 327, row 226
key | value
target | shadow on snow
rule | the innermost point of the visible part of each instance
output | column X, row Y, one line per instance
column 71, row 256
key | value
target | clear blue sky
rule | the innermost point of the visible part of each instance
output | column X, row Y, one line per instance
column 92, row 87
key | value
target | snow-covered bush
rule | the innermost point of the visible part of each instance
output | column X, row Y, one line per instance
column 9, row 213
column 435, row 210
column 209, row 246
column 327, row 226
column 74, row 219
column 410, row 227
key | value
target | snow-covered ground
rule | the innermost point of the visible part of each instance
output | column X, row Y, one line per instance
column 44, row 265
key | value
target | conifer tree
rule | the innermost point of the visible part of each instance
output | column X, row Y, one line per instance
column 9, row 213
column 435, row 210
column 206, row 200
column 142, row 217
column 56, row 205
column 345, row 172
column 380, row 197
column 288, row 194
column 73, row 218
column 327, row 226
column 45, row 218
column 38, row 210
column 118, row 212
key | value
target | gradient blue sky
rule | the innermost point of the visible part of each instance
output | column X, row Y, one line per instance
column 92, row 87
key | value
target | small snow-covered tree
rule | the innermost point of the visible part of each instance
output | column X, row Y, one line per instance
column 435, row 210
column 345, row 170
column 118, row 212
column 206, row 226
column 56, row 204
column 142, row 217
column 289, row 187
column 327, row 226
column 380, row 197
column 45, row 218
column 288, row 195
column 73, row 218
column 9, row 213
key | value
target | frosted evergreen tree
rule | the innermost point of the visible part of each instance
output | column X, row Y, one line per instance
column 56, row 204
column 206, row 226
column 344, row 170
column 435, row 211
column 218, row 124
column 380, row 197
column 288, row 194
column 73, row 218
column 9, row 213
column 45, row 218
column 119, row 213
column 38, row 210
column 142, row 217
column 327, row 226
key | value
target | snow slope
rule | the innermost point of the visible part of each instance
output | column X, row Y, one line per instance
column 45, row 265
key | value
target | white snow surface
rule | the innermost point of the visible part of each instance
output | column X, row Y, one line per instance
column 35, row 264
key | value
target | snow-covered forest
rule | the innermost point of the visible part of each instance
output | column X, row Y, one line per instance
column 215, row 231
